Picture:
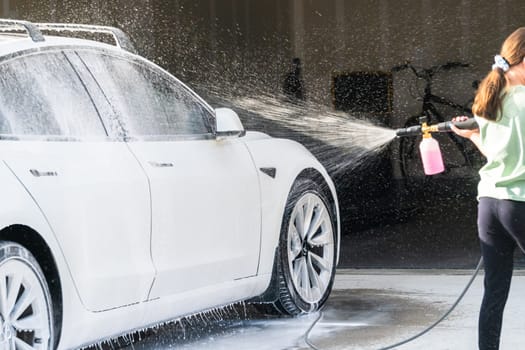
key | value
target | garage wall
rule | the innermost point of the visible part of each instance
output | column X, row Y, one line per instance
column 375, row 35
column 251, row 43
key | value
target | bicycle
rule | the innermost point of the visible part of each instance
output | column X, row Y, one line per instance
column 410, row 164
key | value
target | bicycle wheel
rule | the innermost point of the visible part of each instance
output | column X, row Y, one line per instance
column 461, row 157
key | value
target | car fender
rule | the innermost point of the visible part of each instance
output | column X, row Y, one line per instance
column 289, row 159
column 19, row 208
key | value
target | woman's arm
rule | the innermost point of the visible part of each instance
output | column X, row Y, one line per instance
column 472, row 135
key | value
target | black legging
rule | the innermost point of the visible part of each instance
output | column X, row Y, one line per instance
column 501, row 227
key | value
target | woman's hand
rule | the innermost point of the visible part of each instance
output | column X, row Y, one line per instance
column 466, row 133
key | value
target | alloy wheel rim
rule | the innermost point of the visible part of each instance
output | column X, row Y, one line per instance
column 24, row 313
column 310, row 248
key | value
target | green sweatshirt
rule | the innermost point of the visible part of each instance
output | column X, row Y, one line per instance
column 503, row 142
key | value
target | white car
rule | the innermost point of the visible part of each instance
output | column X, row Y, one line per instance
column 127, row 201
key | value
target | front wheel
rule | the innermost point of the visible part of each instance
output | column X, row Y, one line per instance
column 306, row 259
column 26, row 320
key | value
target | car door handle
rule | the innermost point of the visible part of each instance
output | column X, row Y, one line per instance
column 38, row 173
column 160, row 165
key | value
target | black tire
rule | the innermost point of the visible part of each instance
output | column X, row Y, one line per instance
column 291, row 298
column 21, row 277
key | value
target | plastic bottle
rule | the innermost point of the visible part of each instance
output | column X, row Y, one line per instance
column 431, row 155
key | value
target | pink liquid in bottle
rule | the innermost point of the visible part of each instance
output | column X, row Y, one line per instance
column 431, row 155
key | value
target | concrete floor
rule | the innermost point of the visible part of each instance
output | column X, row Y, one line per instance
column 376, row 308
column 368, row 309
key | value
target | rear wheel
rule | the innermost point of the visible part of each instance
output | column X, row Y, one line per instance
column 307, row 250
column 26, row 320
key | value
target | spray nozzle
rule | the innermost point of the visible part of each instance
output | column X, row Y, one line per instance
column 410, row 131
column 423, row 129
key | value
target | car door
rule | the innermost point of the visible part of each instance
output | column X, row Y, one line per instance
column 205, row 193
column 90, row 188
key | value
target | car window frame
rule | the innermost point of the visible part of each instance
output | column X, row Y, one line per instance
column 61, row 50
column 163, row 74
column 99, row 98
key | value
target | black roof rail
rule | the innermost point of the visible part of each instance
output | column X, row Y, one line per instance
column 9, row 25
column 121, row 39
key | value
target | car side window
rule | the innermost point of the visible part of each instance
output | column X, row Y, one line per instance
column 148, row 100
column 41, row 94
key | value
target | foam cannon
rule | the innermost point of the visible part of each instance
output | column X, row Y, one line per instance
column 416, row 130
column 429, row 147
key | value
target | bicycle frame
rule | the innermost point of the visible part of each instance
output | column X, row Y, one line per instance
column 407, row 147
column 427, row 104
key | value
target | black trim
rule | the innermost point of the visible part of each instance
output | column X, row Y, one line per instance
column 271, row 172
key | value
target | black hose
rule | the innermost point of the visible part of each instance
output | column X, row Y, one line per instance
column 307, row 334
column 426, row 330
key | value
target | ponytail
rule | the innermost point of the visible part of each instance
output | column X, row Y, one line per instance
column 487, row 102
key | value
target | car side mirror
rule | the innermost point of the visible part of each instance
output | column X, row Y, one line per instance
column 228, row 123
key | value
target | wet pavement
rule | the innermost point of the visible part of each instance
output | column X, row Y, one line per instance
column 393, row 281
column 403, row 303
column 367, row 310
